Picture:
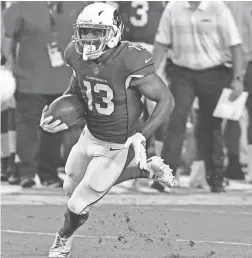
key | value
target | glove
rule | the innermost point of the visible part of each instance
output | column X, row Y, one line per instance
column 138, row 141
column 54, row 127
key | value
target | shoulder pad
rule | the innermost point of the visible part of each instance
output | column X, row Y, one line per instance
column 70, row 54
column 134, row 57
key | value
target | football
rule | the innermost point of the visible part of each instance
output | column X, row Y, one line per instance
column 69, row 109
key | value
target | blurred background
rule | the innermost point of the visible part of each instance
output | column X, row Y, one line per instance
column 30, row 79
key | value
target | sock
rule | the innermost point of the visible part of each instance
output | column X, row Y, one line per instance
column 72, row 223
column 132, row 173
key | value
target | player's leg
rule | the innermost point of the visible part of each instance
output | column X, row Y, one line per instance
column 100, row 168
column 131, row 170
column 156, row 170
column 76, row 165
column 100, row 175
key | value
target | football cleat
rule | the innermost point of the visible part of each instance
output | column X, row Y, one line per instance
column 61, row 247
column 160, row 172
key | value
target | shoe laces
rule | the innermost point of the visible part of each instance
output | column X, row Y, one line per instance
column 64, row 241
column 57, row 242
column 60, row 242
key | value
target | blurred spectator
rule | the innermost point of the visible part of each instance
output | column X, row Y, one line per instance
column 242, row 12
column 8, row 127
column 198, row 34
column 36, row 34
column 141, row 19
column 8, row 123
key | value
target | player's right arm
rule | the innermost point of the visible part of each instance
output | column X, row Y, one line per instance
column 73, row 85
column 73, row 88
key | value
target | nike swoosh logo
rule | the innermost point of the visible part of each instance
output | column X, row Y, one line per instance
column 146, row 61
column 112, row 149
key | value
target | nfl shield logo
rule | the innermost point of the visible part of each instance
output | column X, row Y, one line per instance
column 95, row 70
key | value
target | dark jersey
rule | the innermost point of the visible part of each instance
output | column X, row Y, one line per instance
column 113, row 106
column 141, row 19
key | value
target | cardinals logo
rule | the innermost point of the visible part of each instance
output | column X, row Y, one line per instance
column 95, row 70
column 117, row 19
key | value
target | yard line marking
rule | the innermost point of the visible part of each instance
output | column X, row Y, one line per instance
column 49, row 234
column 213, row 211
column 214, row 242
column 201, row 210
column 115, row 237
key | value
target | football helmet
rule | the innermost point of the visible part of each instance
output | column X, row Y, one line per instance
column 97, row 26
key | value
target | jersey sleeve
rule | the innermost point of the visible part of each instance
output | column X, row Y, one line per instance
column 68, row 53
column 70, row 56
column 138, row 63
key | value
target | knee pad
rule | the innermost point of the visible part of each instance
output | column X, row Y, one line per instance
column 99, row 186
column 78, row 206
column 68, row 186
column 101, row 182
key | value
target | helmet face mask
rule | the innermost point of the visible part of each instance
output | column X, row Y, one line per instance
column 91, row 39
column 98, row 26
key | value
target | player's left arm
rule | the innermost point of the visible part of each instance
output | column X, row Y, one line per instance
column 153, row 88
column 141, row 76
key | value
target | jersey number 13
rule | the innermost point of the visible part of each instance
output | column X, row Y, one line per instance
column 110, row 106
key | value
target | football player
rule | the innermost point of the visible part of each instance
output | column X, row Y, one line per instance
column 111, row 76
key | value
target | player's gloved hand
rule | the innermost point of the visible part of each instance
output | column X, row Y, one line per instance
column 54, row 127
column 138, row 141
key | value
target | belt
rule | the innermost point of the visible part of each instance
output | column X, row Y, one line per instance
column 221, row 66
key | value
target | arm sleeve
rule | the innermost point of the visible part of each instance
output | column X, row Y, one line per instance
column 164, row 32
column 140, row 64
column 229, row 30
column 67, row 54
column 13, row 20
column 73, row 87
